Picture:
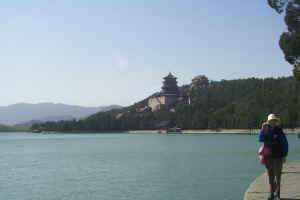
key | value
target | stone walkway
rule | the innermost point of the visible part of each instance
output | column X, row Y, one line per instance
column 290, row 184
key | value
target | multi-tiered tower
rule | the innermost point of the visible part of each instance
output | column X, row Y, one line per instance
column 170, row 85
column 168, row 96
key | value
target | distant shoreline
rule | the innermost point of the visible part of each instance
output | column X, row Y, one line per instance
column 200, row 131
column 221, row 131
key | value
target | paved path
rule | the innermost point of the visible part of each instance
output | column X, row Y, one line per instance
column 290, row 184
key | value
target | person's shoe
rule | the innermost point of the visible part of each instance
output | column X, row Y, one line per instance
column 277, row 196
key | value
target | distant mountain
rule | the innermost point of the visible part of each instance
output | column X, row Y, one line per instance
column 25, row 112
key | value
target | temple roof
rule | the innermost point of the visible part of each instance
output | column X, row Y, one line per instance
column 170, row 76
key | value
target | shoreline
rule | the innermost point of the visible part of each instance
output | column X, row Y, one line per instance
column 209, row 131
column 200, row 131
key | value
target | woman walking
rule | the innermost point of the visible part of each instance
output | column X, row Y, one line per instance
column 276, row 146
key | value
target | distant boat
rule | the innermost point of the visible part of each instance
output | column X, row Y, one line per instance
column 36, row 131
column 174, row 130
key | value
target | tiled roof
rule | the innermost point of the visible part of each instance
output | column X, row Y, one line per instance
column 170, row 76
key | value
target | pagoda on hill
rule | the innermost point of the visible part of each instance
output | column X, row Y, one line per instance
column 167, row 97
column 170, row 85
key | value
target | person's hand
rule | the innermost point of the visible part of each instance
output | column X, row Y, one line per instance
column 284, row 160
column 264, row 125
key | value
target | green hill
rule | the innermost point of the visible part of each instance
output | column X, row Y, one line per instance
column 16, row 128
column 4, row 128
column 232, row 104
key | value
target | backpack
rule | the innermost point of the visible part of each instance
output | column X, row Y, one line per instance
column 273, row 142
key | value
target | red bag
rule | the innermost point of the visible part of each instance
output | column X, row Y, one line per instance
column 263, row 151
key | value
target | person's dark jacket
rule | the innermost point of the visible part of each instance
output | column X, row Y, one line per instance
column 275, row 139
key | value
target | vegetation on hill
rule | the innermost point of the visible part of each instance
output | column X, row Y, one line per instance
column 16, row 128
column 5, row 128
column 242, row 103
column 231, row 104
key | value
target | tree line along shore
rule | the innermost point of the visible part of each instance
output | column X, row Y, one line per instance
column 209, row 131
column 213, row 105
column 203, row 131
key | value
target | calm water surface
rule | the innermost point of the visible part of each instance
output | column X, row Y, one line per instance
column 129, row 167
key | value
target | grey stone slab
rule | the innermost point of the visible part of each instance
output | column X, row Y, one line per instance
column 290, row 184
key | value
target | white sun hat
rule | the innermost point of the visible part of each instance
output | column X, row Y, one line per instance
column 273, row 116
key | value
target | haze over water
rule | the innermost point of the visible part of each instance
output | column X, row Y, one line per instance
column 122, row 166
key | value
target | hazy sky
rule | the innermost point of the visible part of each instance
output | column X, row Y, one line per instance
column 94, row 52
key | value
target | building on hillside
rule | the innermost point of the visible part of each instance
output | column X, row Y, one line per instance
column 168, row 96
column 200, row 81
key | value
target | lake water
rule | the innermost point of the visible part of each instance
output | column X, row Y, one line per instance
column 129, row 167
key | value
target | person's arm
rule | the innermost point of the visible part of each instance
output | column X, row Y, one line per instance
column 285, row 145
column 261, row 136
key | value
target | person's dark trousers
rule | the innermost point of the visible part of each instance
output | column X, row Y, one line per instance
column 274, row 169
